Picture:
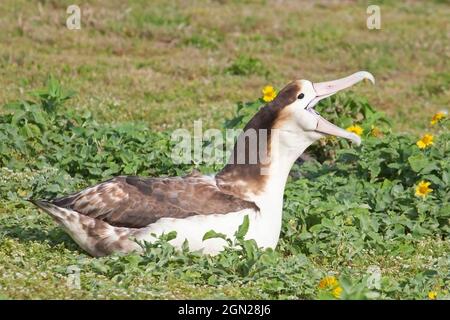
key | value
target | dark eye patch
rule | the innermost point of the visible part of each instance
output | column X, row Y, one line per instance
column 300, row 96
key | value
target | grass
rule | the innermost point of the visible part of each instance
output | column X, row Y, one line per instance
column 169, row 64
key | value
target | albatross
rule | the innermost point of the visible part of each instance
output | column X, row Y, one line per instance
column 116, row 215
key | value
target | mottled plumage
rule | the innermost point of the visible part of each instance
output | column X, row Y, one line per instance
column 135, row 202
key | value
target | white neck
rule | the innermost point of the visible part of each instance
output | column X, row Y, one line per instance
column 286, row 147
column 267, row 225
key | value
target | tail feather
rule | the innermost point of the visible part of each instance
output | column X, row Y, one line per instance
column 96, row 237
column 52, row 210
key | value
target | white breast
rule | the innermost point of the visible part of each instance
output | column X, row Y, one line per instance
column 192, row 229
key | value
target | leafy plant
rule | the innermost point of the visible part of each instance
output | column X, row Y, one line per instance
column 40, row 134
column 356, row 207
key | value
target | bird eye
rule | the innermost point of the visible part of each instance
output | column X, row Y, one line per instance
column 300, row 96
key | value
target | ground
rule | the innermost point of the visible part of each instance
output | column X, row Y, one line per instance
column 171, row 63
column 167, row 64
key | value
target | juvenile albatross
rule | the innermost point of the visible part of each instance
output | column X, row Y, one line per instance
column 113, row 215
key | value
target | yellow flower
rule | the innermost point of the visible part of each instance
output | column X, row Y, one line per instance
column 425, row 141
column 355, row 129
column 423, row 189
column 432, row 295
column 328, row 282
column 376, row 132
column 437, row 117
column 269, row 93
column 337, row 292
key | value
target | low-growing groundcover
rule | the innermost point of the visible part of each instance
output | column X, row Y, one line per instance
column 368, row 222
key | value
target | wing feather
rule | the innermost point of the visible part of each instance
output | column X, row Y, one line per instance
column 135, row 202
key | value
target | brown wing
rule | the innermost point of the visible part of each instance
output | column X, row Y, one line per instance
column 136, row 202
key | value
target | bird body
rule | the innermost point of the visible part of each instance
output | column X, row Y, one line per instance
column 100, row 236
column 115, row 215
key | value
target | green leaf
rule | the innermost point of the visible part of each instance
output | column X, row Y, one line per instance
column 445, row 211
column 99, row 267
column 418, row 162
column 171, row 235
column 211, row 234
column 18, row 115
column 243, row 228
column 168, row 236
column 250, row 248
column 375, row 170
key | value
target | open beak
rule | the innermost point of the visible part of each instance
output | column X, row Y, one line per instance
column 326, row 89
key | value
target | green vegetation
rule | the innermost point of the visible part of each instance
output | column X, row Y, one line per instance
column 141, row 70
column 357, row 216
column 167, row 64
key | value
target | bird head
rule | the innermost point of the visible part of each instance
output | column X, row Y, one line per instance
column 295, row 107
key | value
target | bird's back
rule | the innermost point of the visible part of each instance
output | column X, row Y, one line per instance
column 135, row 202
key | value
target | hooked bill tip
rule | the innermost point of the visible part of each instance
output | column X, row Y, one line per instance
column 355, row 138
column 368, row 76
